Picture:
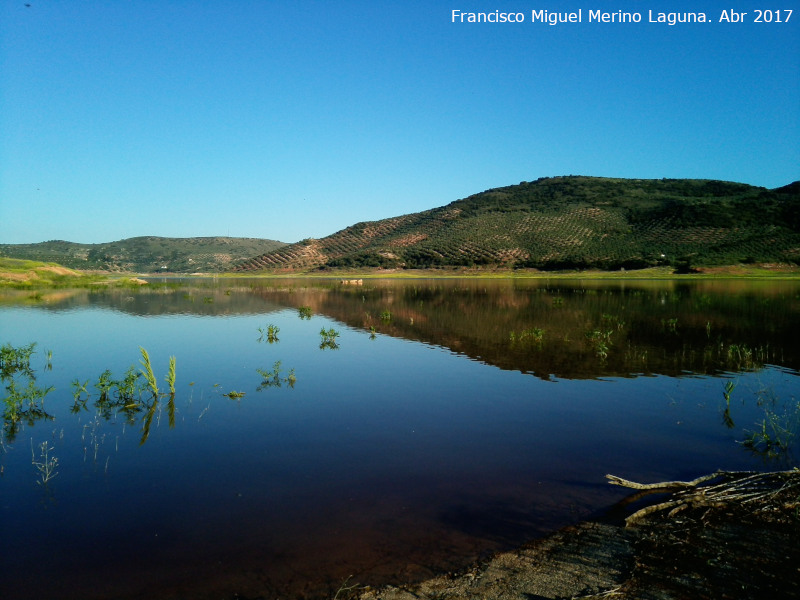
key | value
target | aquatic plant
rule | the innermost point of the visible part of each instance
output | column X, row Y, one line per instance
column 771, row 440
column 600, row 341
column 234, row 395
column 385, row 316
column 613, row 321
column 171, row 410
column 741, row 355
column 147, row 371
column 127, row 388
column 728, row 390
column 23, row 404
column 273, row 378
column 46, row 465
column 670, row 325
column 16, row 360
column 270, row 378
column 328, row 339
column 271, row 333
column 726, row 393
column 148, row 419
column 170, row 378
column 304, row 312
column 104, row 384
column 534, row 335
column 78, row 389
column 775, row 434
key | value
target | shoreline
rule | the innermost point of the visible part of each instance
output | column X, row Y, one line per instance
column 21, row 274
column 700, row 550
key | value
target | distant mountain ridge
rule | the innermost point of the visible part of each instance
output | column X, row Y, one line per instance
column 571, row 222
column 147, row 254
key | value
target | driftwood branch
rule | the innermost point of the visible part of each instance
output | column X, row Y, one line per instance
column 664, row 485
column 741, row 487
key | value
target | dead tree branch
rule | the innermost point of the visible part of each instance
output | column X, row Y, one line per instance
column 740, row 487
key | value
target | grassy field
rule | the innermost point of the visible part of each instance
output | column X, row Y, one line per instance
column 31, row 274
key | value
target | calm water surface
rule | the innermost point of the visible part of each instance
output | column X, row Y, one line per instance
column 449, row 419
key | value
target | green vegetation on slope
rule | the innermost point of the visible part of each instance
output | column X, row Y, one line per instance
column 146, row 254
column 30, row 273
column 571, row 223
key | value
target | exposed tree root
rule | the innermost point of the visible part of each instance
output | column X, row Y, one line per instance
column 764, row 491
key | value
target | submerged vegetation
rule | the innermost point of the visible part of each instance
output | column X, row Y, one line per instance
column 776, row 433
column 46, row 465
column 328, row 338
column 269, row 333
column 24, row 402
column 275, row 378
column 533, row 336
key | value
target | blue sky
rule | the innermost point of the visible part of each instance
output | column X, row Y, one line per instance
column 287, row 120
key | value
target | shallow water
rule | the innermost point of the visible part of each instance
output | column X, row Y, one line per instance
column 428, row 438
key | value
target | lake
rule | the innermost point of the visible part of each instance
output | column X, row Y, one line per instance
column 385, row 430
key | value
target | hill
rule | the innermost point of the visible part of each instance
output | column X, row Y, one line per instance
column 146, row 254
column 570, row 223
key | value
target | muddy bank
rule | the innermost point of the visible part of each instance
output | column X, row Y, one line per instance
column 704, row 551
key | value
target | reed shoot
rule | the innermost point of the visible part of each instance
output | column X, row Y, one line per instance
column 46, row 465
column 171, row 375
column 147, row 371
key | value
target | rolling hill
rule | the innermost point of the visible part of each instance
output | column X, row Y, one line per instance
column 146, row 254
column 569, row 223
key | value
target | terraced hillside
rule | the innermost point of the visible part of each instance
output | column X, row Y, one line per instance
column 146, row 254
column 570, row 222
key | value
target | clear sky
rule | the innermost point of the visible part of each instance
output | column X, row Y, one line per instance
column 293, row 119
